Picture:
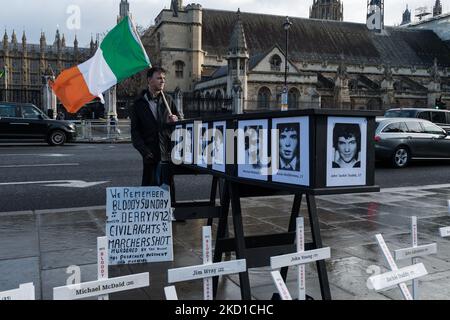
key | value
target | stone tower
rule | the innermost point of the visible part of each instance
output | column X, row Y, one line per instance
column 238, row 57
column 437, row 9
column 177, row 41
column 327, row 10
column 176, row 6
column 406, row 16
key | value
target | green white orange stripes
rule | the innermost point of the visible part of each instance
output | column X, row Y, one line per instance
column 120, row 55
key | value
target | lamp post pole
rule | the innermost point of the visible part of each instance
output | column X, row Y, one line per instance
column 284, row 97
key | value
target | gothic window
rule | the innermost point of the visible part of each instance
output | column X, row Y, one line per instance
column 242, row 66
column 179, row 69
column 34, row 65
column 275, row 63
column 293, row 97
column 264, row 98
column 233, row 64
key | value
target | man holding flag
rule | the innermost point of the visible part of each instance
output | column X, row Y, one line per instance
column 149, row 131
column 120, row 56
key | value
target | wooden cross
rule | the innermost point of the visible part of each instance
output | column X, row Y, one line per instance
column 205, row 271
column 300, row 258
column 414, row 252
column 445, row 232
column 24, row 292
column 104, row 285
column 396, row 276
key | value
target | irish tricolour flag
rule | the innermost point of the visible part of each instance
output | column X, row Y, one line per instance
column 120, row 55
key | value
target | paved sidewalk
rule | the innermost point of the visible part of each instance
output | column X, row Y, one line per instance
column 38, row 246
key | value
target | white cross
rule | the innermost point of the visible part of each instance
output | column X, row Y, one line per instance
column 24, row 292
column 102, row 262
column 396, row 276
column 414, row 252
column 445, row 232
column 171, row 293
column 205, row 271
column 300, row 258
column 104, row 285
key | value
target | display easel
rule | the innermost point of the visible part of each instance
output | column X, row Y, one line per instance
column 195, row 209
column 318, row 135
column 257, row 250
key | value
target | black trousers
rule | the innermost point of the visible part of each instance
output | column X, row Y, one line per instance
column 156, row 174
column 149, row 175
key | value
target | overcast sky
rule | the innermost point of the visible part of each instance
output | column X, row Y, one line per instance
column 97, row 16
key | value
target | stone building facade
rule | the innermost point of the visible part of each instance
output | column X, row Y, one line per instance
column 327, row 10
column 26, row 67
column 331, row 64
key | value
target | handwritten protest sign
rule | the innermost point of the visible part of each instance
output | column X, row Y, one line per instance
column 139, row 225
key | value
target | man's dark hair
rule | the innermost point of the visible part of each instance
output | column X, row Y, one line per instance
column 154, row 70
column 286, row 127
column 347, row 130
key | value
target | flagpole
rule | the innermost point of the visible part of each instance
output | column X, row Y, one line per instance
column 166, row 104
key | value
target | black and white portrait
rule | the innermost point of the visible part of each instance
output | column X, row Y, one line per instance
column 290, row 150
column 178, row 145
column 347, row 145
column 346, row 151
column 289, row 146
column 188, row 150
column 219, row 145
column 253, row 149
column 202, row 145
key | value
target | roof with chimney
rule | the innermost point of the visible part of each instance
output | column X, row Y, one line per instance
column 323, row 40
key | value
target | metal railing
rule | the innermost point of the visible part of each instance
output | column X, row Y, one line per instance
column 97, row 131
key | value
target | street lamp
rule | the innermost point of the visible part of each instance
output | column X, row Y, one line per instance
column 284, row 97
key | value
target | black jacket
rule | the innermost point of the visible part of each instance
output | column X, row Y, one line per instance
column 148, row 135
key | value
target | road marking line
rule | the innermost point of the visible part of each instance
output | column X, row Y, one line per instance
column 36, row 154
column 40, row 165
column 58, row 183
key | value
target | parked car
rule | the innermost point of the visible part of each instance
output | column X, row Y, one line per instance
column 400, row 140
column 439, row 117
column 25, row 121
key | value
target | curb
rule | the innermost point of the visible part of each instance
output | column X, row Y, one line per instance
column 67, row 210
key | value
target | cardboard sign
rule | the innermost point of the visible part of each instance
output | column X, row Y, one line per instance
column 25, row 292
column 297, row 258
column 206, row 271
column 139, row 225
column 281, row 286
column 393, row 278
column 101, row 287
